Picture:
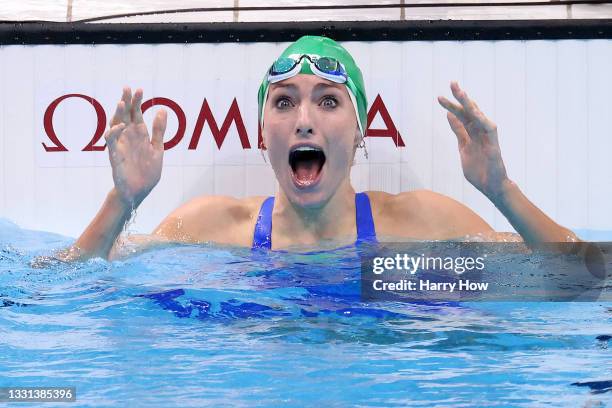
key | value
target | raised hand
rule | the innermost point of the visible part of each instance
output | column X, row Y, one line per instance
column 136, row 160
column 479, row 148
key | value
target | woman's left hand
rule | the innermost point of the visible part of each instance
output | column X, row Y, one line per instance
column 479, row 148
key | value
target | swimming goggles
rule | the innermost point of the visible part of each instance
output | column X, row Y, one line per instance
column 324, row 67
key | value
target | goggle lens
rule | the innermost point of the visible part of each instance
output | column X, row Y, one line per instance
column 328, row 65
column 283, row 65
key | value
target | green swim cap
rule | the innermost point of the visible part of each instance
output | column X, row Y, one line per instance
column 324, row 47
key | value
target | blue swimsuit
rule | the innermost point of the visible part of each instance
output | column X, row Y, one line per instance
column 262, row 236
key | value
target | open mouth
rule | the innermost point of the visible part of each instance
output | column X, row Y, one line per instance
column 306, row 163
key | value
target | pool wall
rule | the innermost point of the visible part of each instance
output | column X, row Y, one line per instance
column 549, row 98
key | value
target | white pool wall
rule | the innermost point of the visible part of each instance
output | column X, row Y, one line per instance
column 550, row 99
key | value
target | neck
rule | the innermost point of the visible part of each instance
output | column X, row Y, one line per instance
column 335, row 219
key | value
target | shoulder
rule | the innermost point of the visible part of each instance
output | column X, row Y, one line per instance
column 423, row 214
column 221, row 219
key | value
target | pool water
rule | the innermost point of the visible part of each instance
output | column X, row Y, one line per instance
column 195, row 326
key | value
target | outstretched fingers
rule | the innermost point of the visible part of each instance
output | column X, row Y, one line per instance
column 453, row 108
column 118, row 116
column 122, row 113
column 467, row 111
column 458, row 129
column 112, row 135
column 136, row 112
column 468, row 105
column 159, row 128
column 126, row 98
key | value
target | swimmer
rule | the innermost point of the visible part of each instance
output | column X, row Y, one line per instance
column 312, row 110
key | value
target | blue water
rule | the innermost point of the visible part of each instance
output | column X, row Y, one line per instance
column 216, row 326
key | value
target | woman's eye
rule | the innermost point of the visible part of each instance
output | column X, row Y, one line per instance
column 329, row 102
column 283, row 103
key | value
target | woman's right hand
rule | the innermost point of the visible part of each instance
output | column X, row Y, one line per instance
column 135, row 159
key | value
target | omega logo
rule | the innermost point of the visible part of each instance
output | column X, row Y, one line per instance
column 205, row 116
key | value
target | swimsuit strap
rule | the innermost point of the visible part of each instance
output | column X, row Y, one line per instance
column 364, row 219
column 262, row 237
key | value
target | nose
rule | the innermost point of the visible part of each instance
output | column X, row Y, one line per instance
column 304, row 125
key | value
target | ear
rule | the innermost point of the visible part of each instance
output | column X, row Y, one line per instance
column 356, row 141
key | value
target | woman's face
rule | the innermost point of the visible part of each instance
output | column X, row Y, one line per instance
column 310, row 131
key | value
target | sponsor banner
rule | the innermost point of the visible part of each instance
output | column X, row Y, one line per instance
column 548, row 98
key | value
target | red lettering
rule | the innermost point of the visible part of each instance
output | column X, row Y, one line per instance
column 205, row 115
column 233, row 115
column 48, row 124
column 378, row 106
column 180, row 116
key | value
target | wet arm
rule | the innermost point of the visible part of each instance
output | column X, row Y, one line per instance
column 483, row 167
column 101, row 234
column 528, row 220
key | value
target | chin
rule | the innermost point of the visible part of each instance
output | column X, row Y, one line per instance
column 307, row 199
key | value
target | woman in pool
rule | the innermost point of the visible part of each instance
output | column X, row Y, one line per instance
column 312, row 110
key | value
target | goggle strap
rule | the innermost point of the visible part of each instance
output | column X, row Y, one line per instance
column 356, row 111
column 263, row 107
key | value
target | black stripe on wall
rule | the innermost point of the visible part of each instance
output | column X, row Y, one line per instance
column 431, row 30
